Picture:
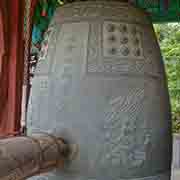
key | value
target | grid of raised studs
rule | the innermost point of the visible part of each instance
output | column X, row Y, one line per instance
column 122, row 40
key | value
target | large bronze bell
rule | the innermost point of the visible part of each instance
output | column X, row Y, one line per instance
column 101, row 84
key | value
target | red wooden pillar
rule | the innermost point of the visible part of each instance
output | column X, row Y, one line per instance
column 3, row 56
column 12, row 71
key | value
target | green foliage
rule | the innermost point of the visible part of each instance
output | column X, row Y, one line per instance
column 169, row 39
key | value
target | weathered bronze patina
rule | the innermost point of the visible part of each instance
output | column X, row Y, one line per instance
column 101, row 83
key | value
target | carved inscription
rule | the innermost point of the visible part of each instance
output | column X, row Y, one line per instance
column 126, row 135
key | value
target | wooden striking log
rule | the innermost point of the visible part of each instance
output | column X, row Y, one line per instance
column 23, row 157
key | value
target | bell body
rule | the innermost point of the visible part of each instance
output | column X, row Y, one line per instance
column 100, row 82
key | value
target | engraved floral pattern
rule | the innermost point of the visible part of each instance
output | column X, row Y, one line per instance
column 126, row 135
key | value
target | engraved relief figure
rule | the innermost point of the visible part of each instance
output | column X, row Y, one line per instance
column 126, row 133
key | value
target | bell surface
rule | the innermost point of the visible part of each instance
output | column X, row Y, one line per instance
column 100, row 83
